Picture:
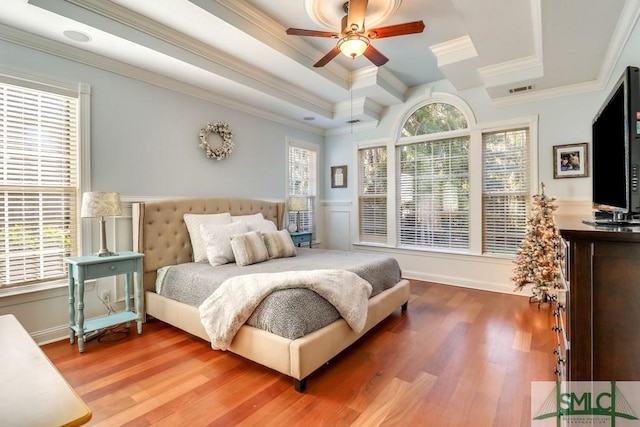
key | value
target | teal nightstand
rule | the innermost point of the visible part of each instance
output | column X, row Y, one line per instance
column 94, row 267
column 300, row 237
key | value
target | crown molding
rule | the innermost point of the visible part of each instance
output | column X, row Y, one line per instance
column 228, row 66
column 509, row 72
column 628, row 19
column 81, row 56
column 452, row 51
column 252, row 21
column 381, row 84
column 541, row 95
column 362, row 108
column 353, row 128
column 521, row 69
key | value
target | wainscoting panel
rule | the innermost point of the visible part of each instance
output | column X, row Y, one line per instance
column 340, row 230
column 337, row 225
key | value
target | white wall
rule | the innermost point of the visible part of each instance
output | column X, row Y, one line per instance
column 561, row 120
column 144, row 144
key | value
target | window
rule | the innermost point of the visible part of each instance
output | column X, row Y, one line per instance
column 303, row 173
column 447, row 183
column 505, row 189
column 38, row 184
column 433, row 180
column 434, row 118
column 372, row 194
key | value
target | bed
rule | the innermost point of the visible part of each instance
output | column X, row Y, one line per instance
column 160, row 233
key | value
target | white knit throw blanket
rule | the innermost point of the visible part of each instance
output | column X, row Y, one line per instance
column 229, row 307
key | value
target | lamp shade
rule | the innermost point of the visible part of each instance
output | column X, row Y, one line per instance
column 297, row 203
column 353, row 45
column 99, row 204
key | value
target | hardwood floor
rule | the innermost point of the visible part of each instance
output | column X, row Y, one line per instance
column 457, row 357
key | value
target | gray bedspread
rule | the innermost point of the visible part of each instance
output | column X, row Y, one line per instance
column 290, row 313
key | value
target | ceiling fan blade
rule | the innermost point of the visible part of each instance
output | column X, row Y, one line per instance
column 375, row 56
column 396, row 30
column 355, row 15
column 310, row 33
column 328, row 57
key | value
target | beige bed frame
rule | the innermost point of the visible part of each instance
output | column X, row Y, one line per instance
column 160, row 233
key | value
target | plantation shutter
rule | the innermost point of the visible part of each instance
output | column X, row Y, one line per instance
column 433, row 196
column 303, row 172
column 38, row 184
column 372, row 194
column 505, row 192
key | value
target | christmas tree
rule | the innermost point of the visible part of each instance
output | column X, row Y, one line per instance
column 536, row 263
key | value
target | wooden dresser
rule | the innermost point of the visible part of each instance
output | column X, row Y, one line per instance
column 604, row 301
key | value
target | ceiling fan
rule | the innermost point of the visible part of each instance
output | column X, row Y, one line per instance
column 354, row 39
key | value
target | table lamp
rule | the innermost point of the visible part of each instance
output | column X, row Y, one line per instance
column 98, row 204
column 297, row 204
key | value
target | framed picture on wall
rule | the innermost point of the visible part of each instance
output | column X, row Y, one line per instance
column 339, row 176
column 571, row 161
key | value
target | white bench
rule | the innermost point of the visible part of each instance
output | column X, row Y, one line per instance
column 33, row 392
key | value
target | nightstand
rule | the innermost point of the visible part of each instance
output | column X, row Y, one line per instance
column 94, row 267
column 300, row 237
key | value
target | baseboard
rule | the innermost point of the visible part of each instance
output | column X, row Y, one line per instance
column 463, row 283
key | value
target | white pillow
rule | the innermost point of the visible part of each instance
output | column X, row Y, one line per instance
column 265, row 226
column 217, row 241
column 279, row 244
column 256, row 222
column 248, row 248
column 193, row 222
column 248, row 218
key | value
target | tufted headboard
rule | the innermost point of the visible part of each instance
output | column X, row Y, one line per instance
column 160, row 233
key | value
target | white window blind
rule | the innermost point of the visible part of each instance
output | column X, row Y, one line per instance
column 38, row 184
column 433, row 196
column 303, row 173
column 505, row 189
column 372, row 194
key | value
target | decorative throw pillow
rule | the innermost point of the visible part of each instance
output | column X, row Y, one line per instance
column 249, row 248
column 193, row 222
column 279, row 244
column 217, row 241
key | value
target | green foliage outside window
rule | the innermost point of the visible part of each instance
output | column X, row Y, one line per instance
column 434, row 118
column 434, row 193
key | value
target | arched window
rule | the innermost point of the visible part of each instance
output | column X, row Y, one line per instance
column 433, row 179
column 421, row 190
column 434, row 118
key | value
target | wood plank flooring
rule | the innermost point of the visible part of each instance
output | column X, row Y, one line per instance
column 457, row 357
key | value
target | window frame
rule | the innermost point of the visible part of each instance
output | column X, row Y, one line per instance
column 375, row 238
column 475, row 131
column 82, row 93
column 312, row 199
column 510, row 236
column 446, row 139
column 467, row 112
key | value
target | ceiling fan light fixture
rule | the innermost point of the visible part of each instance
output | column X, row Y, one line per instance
column 353, row 45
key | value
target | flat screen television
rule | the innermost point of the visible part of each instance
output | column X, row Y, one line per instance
column 616, row 152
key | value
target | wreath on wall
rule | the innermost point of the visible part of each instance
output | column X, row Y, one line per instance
column 221, row 151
